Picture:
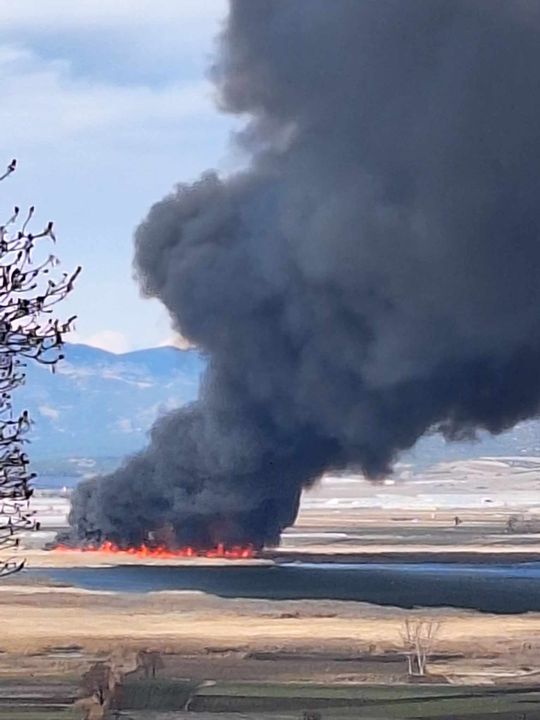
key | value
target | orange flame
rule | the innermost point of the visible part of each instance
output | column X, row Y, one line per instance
column 160, row 552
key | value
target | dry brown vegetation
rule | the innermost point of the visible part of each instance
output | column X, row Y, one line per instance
column 482, row 646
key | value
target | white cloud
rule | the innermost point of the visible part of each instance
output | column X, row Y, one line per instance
column 43, row 102
column 70, row 14
column 110, row 340
column 48, row 412
column 178, row 341
column 125, row 425
column 105, row 104
column 135, row 34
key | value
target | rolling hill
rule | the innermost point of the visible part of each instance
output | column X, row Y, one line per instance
column 101, row 405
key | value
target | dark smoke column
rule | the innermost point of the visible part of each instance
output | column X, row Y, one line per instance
column 371, row 276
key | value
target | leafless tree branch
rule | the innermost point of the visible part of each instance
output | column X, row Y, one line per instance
column 29, row 331
column 418, row 636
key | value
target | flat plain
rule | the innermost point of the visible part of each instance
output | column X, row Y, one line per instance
column 277, row 658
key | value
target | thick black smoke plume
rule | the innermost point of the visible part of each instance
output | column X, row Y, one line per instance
column 373, row 275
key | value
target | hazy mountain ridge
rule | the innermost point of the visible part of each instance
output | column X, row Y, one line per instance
column 522, row 440
column 99, row 406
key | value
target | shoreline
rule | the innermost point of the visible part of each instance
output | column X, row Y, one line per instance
column 388, row 554
column 411, row 555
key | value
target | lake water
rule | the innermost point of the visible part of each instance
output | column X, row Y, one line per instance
column 490, row 588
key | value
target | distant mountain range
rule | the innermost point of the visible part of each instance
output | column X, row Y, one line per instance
column 98, row 407
column 101, row 405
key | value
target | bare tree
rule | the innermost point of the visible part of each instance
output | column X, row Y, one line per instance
column 150, row 661
column 97, row 683
column 513, row 522
column 419, row 637
column 29, row 331
column 99, row 690
column 523, row 524
column 101, row 686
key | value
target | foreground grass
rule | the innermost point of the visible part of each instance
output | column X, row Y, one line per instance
column 165, row 698
column 349, row 691
column 337, row 701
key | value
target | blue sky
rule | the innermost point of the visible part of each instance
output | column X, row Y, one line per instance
column 106, row 105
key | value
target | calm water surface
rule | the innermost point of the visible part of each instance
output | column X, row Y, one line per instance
column 494, row 588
